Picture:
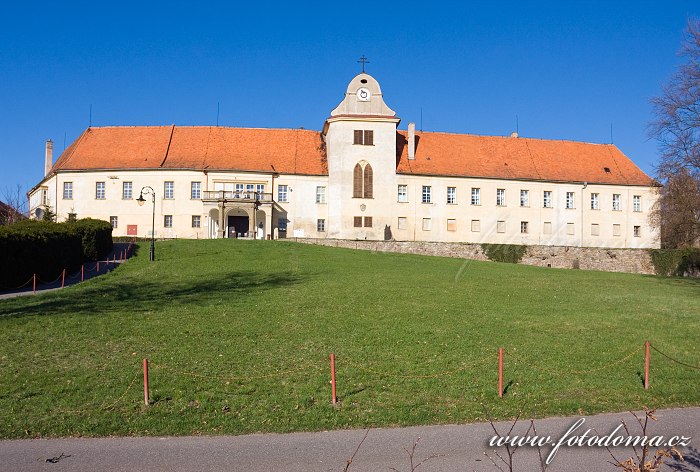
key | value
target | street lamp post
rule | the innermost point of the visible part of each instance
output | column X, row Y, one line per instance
column 149, row 191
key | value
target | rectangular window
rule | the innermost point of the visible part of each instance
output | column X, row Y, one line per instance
column 547, row 199
column 68, row 190
column 114, row 221
column 426, row 194
column 168, row 221
column 524, row 198
column 239, row 191
column 637, row 203
column 196, row 221
column 637, row 231
column 320, row 194
column 282, row 193
column 476, row 196
column 451, row 195
column 500, row 226
column 259, row 191
column 357, row 222
column 594, row 201
column 451, row 224
column 320, row 225
column 403, row 222
column 249, row 191
column 569, row 200
column 500, row 197
column 476, row 226
column 616, row 202
column 282, row 224
column 169, row 190
column 127, row 190
column 595, row 229
column 196, row 190
column 616, row 230
column 364, row 137
column 570, row 229
column 524, row 227
column 427, row 224
column 368, row 221
column 100, row 191
column 403, row 193
column 547, row 227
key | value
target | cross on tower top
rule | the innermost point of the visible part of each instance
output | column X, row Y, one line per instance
column 364, row 61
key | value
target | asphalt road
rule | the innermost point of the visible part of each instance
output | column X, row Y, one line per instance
column 449, row 448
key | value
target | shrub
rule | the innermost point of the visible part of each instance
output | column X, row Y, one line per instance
column 512, row 253
column 95, row 236
column 679, row 262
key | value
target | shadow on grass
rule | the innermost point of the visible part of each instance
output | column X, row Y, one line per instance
column 127, row 295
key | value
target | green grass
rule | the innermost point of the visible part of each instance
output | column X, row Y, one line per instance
column 239, row 334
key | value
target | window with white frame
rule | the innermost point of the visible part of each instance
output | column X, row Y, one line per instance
column 169, row 190
column 594, row 201
column 500, row 197
column 196, row 190
column 476, row 196
column 524, row 198
column 616, row 202
column 402, row 193
column 282, row 194
column 196, row 221
column 569, row 200
column 426, row 194
column 321, row 196
column 320, row 225
column 99, row 190
column 68, row 190
column 637, row 203
column 547, row 199
column 239, row 191
column 249, row 191
column 259, row 191
column 127, row 190
column 451, row 195
column 524, row 227
column 114, row 221
column 168, row 221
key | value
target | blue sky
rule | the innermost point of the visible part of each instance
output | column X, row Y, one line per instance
column 567, row 70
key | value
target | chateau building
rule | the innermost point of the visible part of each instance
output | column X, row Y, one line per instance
column 360, row 177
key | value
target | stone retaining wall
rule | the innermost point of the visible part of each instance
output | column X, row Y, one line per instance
column 636, row 261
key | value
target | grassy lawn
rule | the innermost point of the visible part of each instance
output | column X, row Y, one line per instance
column 239, row 334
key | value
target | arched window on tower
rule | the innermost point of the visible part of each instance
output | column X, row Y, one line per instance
column 363, row 181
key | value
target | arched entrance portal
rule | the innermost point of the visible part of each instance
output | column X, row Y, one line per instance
column 238, row 223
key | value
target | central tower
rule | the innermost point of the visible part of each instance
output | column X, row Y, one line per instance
column 360, row 137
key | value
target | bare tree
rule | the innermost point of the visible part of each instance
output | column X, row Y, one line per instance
column 677, row 130
column 14, row 205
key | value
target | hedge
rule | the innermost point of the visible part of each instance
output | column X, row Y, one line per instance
column 512, row 253
column 676, row 262
column 45, row 248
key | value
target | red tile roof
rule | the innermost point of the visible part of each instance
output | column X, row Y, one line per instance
column 290, row 151
column 298, row 151
column 466, row 155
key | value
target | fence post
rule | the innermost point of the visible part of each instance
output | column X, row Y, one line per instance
column 82, row 272
column 34, row 283
column 334, row 399
column 98, row 267
column 646, row 365
column 500, row 372
column 63, row 279
column 145, row 381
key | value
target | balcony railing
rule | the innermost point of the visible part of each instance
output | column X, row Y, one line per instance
column 236, row 196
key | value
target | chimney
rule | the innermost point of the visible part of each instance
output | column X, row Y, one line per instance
column 48, row 163
column 411, row 141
